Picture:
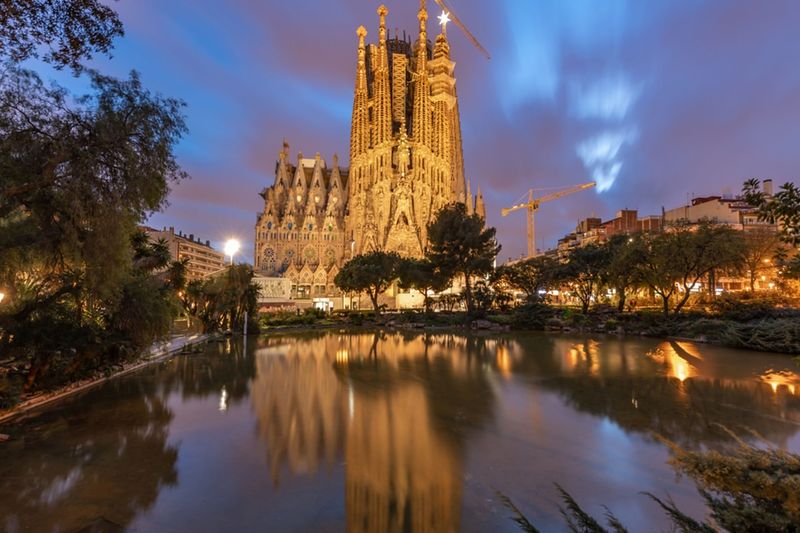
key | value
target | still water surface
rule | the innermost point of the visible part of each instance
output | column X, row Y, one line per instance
column 379, row 432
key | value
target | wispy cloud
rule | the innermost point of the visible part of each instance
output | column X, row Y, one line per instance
column 609, row 98
column 602, row 155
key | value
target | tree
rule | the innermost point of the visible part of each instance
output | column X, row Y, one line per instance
column 57, row 315
column 75, row 181
column 758, row 252
column 622, row 272
column 78, row 179
column 372, row 273
column 530, row 276
column 421, row 275
column 783, row 208
column 77, row 175
column 62, row 32
column 223, row 300
column 148, row 300
column 583, row 272
column 675, row 261
column 460, row 245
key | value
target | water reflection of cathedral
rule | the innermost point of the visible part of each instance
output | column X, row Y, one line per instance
column 366, row 398
column 397, row 409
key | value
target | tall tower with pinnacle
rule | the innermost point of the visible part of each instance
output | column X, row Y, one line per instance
column 406, row 163
column 406, row 160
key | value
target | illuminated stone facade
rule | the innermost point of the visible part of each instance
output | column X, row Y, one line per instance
column 406, row 163
column 301, row 233
column 406, row 160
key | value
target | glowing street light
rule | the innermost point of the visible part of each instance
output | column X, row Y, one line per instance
column 231, row 247
column 2, row 297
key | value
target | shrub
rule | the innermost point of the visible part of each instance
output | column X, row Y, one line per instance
column 746, row 306
column 500, row 319
column 288, row 318
column 554, row 322
column 532, row 315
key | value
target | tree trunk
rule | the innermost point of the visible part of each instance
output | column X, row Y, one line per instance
column 468, row 293
column 687, row 293
column 38, row 367
column 374, row 298
column 752, row 281
column 621, row 301
column 712, row 284
column 586, row 300
column 665, row 300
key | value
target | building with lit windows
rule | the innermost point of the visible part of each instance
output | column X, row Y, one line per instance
column 203, row 260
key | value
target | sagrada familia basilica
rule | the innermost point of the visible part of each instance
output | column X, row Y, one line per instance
column 406, row 162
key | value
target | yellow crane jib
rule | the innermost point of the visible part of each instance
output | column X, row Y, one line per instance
column 451, row 16
column 532, row 205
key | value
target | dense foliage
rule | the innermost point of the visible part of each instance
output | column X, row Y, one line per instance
column 82, row 288
column 674, row 262
column 532, row 277
column 671, row 264
column 222, row 302
column 372, row 273
column 62, row 32
column 57, row 329
column 423, row 275
column 746, row 489
column 783, row 209
column 459, row 244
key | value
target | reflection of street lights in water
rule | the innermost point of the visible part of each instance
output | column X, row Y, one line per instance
column 223, row 399
column 231, row 247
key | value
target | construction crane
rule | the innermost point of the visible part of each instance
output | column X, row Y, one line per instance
column 532, row 205
column 449, row 15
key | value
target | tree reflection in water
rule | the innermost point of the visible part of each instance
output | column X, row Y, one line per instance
column 68, row 487
column 674, row 391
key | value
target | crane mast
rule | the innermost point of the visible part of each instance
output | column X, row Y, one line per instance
column 532, row 205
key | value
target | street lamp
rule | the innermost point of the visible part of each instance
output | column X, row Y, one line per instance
column 2, row 297
column 231, row 247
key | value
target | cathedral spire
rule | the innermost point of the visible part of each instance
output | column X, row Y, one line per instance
column 359, row 130
column 480, row 207
column 382, row 96
column 422, row 115
column 317, row 192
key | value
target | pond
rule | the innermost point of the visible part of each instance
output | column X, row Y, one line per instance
column 364, row 431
